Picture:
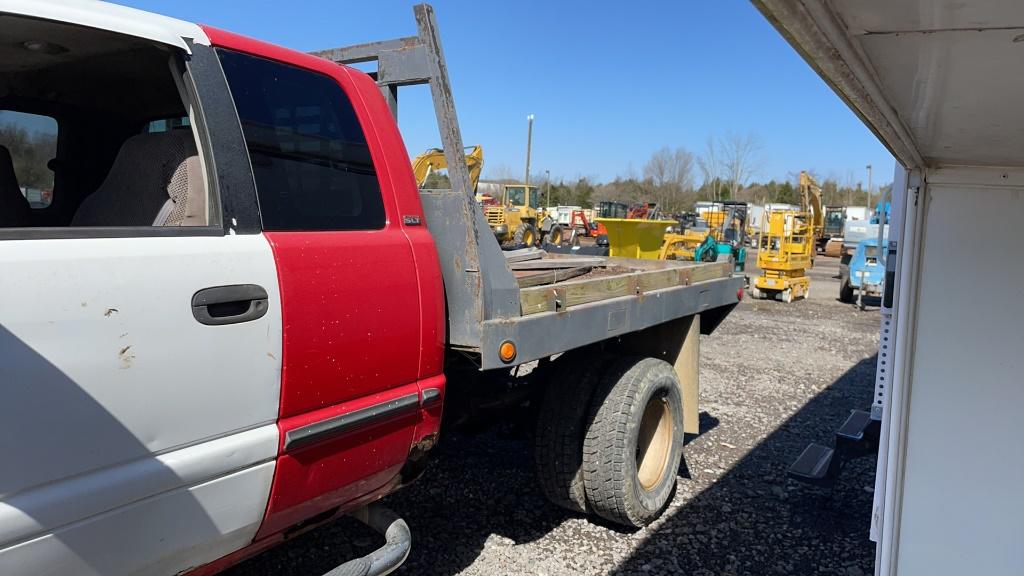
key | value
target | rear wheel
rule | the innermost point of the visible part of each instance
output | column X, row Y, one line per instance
column 556, row 234
column 634, row 441
column 558, row 441
column 846, row 292
column 787, row 295
column 525, row 234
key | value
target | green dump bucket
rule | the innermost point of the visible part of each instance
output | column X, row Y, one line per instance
column 629, row 238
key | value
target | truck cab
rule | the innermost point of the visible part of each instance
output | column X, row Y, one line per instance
column 223, row 323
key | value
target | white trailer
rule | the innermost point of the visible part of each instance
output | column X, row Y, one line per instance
column 939, row 82
column 857, row 213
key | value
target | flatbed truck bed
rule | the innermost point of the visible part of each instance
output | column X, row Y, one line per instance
column 616, row 340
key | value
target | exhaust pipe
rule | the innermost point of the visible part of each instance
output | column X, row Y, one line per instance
column 388, row 557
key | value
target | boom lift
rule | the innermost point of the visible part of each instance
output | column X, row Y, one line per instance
column 787, row 246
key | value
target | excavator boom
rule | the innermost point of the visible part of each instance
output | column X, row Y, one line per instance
column 811, row 196
column 433, row 160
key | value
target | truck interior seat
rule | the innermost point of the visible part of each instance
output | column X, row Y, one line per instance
column 155, row 180
column 14, row 208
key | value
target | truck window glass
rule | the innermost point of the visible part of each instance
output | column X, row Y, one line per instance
column 166, row 124
column 309, row 155
column 31, row 141
column 108, row 171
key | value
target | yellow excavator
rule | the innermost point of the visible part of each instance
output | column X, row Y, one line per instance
column 433, row 160
column 787, row 246
column 516, row 217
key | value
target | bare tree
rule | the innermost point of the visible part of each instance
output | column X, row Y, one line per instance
column 670, row 175
column 503, row 173
column 741, row 159
column 670, row 167
column 710, row 167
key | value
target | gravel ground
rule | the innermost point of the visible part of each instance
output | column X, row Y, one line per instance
column 773, row 377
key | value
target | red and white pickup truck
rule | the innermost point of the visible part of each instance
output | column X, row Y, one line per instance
column 231, row 316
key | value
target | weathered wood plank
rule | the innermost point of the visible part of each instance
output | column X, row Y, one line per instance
column 552, row 263
column 657, row 280
column 551, row 276
column 584, row 291
column 537, row 301
column 523, row 254
column 710, row 271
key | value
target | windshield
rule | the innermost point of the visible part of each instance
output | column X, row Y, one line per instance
column 612, row 210
column 515, row 195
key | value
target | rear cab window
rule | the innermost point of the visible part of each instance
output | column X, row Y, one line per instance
column 309, row 156
column 31, row 142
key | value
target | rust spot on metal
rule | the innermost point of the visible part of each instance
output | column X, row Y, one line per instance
column 426, row 443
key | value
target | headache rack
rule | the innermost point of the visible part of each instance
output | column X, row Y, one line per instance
column 489, row 303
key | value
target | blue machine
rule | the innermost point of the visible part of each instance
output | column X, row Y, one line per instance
column 862, row 273
column 879, row 210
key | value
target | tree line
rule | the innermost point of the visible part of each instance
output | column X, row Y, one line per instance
column 675, row 178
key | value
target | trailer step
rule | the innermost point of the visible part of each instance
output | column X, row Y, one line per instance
column 855, row 426
column 817, row 465
column 858, row 436
column 820, row 465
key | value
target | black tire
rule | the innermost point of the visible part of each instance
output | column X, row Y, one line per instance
column 525, row 234
column 846, row 292
column 619, row 488
column 558, row 441
column 556, row 235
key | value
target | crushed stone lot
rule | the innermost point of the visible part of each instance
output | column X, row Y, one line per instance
column 774, row 376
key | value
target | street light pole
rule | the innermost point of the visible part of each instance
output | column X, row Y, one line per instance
column 529, row 145
column 869, row 187
column 547, row 174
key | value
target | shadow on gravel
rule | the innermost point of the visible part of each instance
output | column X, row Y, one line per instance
column 479, row 492
column 753, row 520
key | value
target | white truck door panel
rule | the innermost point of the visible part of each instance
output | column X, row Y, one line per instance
column 129, row 550
column 118, row 402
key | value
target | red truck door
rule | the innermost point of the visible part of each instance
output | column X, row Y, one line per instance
column 351, row 393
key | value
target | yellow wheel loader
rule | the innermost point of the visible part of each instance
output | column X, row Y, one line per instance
column 519, row 220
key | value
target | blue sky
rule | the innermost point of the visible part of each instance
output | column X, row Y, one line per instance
column 609, row 83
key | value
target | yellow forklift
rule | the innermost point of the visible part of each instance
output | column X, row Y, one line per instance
column 786, row 247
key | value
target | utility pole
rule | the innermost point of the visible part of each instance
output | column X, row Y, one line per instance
column 547, row 174
column 529, row 145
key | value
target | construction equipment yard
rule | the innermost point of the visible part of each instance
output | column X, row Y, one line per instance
column 773, row 377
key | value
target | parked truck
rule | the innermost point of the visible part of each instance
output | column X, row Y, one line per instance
column 240, row 319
